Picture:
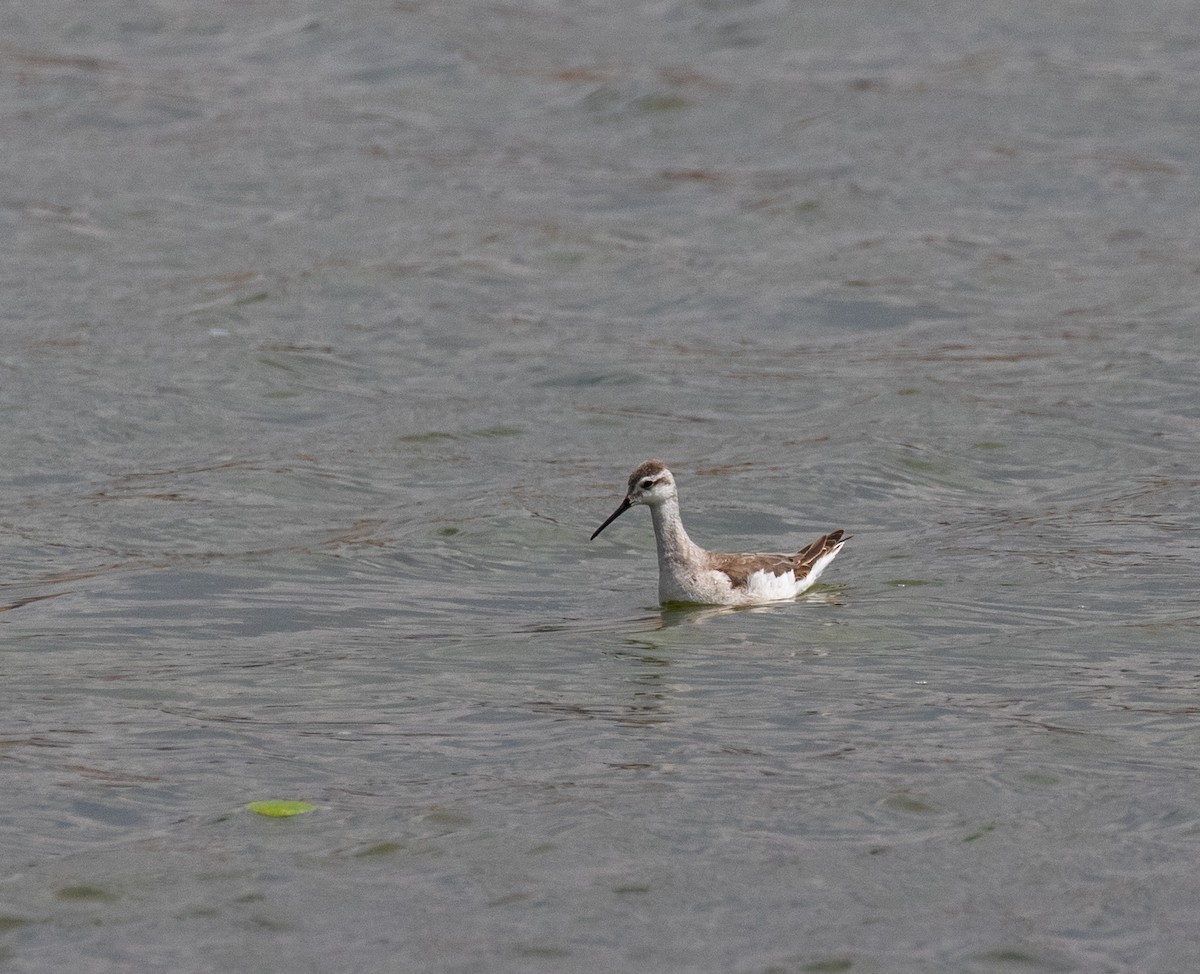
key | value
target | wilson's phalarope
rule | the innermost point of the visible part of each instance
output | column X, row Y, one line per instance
column 688, row 573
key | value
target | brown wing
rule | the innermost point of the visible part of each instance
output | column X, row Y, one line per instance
column 806, row 556
column 739, row 568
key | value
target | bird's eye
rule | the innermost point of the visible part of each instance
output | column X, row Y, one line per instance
column 647, row 484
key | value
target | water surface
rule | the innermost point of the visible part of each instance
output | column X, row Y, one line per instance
column 330, row 336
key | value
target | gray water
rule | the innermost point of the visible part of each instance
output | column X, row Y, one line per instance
column 330, row 333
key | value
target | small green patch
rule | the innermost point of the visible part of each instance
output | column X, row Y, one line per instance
column 280, row 809
column 252, row 298
column 1011, row 955
column 500, row 431
column 829, row 965
column 378, row 849
column 447, row 532
column 904, row 802
column 631, row 888
column 11, row 923
column 988, row 445
column 447, row 817
column 86, row 893
column 269, row 923
column 908, row 392
column 980, row 832
column 429, row 437
column 663, row 103
column 922, row 466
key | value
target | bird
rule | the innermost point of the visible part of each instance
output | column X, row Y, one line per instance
column 689, row 573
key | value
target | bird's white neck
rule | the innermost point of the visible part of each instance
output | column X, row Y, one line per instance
column 674, row 545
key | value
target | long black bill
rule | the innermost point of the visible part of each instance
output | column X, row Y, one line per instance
column 625, row 505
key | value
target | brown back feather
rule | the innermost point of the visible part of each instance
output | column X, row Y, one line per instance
column 739, row 568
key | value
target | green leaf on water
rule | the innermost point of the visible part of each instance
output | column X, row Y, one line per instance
column 829, row 965
column 85, row 891
column 280, row 809
column 386, row 848
column 662, row 103
column 250, row 299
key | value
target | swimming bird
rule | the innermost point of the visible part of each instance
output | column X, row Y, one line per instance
column 689, row 573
